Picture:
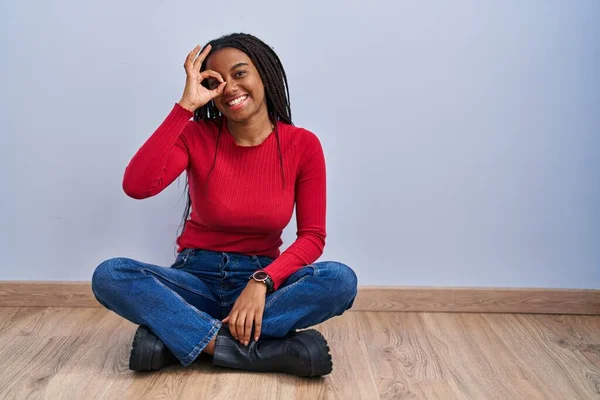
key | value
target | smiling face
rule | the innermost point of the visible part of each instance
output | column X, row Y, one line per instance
column 244, row 95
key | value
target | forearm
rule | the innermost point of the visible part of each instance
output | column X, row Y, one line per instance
column 154, row 165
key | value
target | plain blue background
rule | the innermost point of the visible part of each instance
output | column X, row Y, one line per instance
column 462, row 138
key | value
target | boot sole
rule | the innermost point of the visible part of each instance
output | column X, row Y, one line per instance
column 318, row 349
column 145, row 354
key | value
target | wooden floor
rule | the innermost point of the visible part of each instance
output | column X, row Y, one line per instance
column 82, row 353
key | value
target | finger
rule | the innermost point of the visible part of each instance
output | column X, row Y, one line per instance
column 190, row 57
column 218, row 91
column 216, row 77
column 201, row 57
column 224, row 321
column 233, row 325
column 248, row 329
column 212, row 74
column 257, row 326
column 240, row 325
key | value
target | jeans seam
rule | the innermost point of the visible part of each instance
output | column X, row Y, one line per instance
column 280, row 292
column 205, row 340
column 200, row 313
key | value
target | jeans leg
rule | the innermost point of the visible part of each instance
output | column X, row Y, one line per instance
column 309, row 296
column 177, row 306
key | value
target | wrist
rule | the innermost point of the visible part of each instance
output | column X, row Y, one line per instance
column 262, row 285
column 186, row 105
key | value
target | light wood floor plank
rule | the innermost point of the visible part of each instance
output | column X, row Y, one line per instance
column 400, row 355
column 29, row 363
column 75, row 353
column 6, row 315
column 538, row 360
column 461, row 360
column 350, row 357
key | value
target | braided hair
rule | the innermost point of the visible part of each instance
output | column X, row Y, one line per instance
column 277, row 92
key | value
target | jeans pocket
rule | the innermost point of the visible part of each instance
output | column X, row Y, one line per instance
column 182, row 258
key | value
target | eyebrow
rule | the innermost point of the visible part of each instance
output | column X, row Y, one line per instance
column 234, row 67
column 238, row 65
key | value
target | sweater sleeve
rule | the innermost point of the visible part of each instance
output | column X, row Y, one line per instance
column 311, row 202
column 161, row 159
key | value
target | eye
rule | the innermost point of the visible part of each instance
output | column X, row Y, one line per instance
column 212, row 84
column 239, row 74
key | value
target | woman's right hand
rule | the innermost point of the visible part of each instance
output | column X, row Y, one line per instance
column 195, row 95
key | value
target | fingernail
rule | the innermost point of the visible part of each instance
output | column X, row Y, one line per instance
column 256, row 338
column 246, row 343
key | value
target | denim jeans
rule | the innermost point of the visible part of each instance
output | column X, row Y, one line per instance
column 183, row 304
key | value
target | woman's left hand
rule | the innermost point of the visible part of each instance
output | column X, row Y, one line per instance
column 248, row 309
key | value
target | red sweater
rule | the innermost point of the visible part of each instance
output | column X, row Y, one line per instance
column 244, row 206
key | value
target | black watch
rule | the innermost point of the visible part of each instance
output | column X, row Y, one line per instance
column 262, row 276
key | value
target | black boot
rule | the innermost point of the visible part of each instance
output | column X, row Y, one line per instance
column 302, row 353
column 148, row 352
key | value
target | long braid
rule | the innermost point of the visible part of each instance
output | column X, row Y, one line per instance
column 277, row 92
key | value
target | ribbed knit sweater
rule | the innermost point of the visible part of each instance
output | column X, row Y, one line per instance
column 242, row 205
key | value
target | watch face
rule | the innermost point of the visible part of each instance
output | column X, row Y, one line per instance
column 260, row 275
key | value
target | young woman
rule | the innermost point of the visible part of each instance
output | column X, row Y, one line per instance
column 230, row 292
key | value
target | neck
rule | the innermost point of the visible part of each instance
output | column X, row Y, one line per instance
column 252, row 131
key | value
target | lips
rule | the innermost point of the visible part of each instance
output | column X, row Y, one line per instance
column 237, row 102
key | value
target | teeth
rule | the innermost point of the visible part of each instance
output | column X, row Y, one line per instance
column 237, row 101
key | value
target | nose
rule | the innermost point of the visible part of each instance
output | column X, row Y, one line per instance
column 231, row 88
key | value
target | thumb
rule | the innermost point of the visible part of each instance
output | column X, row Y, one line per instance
column 219, row 90
column 225, row 319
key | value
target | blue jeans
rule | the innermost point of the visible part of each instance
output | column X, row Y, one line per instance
column 184, row 304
